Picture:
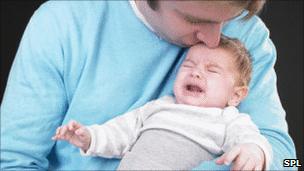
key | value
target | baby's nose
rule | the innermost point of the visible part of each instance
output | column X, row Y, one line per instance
column 196, row 74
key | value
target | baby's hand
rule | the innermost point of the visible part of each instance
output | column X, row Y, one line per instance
column 244, row 157
column 74, row 133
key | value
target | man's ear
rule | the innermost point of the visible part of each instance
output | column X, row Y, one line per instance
column 238, row 95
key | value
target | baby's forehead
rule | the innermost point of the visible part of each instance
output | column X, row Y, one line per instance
column 212, row 57
column 201, row 53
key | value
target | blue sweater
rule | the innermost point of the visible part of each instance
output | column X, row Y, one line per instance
column 93, row 60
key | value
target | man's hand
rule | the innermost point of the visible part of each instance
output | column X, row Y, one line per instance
column 244, row 157
column 74, row 133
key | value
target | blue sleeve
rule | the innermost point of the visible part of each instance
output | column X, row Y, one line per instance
column 263, row 102
column 34, row 102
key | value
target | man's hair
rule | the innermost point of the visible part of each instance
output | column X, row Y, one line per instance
column 252, row 6
column 242, row 59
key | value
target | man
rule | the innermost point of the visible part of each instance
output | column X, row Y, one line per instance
column 98, row 59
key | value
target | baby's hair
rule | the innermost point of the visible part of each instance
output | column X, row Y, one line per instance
column 242, row 59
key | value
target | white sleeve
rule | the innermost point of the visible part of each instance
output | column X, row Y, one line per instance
column 113, row 138
column 242, row 130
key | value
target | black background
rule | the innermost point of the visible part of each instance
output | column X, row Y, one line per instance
column 283, row 18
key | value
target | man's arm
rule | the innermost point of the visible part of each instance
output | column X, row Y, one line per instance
column 263, row 103
column 34, row 102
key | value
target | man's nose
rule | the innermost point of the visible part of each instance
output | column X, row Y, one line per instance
column 210, row 34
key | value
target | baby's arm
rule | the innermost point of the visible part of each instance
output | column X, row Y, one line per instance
column 110, row 139
column 245, row 146
column 74, row 133
column 246, row 156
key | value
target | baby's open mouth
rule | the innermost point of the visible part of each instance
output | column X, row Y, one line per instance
column 194, row 88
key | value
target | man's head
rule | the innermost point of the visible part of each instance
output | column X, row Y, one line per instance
column 189, row 22
column 216, row 77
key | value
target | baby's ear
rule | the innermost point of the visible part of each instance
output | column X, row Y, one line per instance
column 238, row 95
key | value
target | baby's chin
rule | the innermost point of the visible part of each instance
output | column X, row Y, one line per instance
column 199, row 102
column 189, row 101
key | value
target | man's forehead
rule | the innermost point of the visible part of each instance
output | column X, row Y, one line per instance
column 203, row 19
column 207, row 11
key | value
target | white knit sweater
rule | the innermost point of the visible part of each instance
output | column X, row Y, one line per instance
column 215, row 129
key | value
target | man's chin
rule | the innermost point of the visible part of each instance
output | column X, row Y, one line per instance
column 184, row 44
column 178, row 43
column 188, row 42
column 181, row 44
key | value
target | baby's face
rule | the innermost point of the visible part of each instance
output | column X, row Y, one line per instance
column 206, row 78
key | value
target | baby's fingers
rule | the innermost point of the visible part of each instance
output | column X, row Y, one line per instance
column 229, row 156
column 258, row 168
column 74, row 125
column 58, row 130
column 249, row 165
column 63, row 131
column 55, row 137
column 220, row 160
column 82, row 132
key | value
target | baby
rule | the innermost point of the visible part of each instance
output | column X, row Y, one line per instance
column 199, row 123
